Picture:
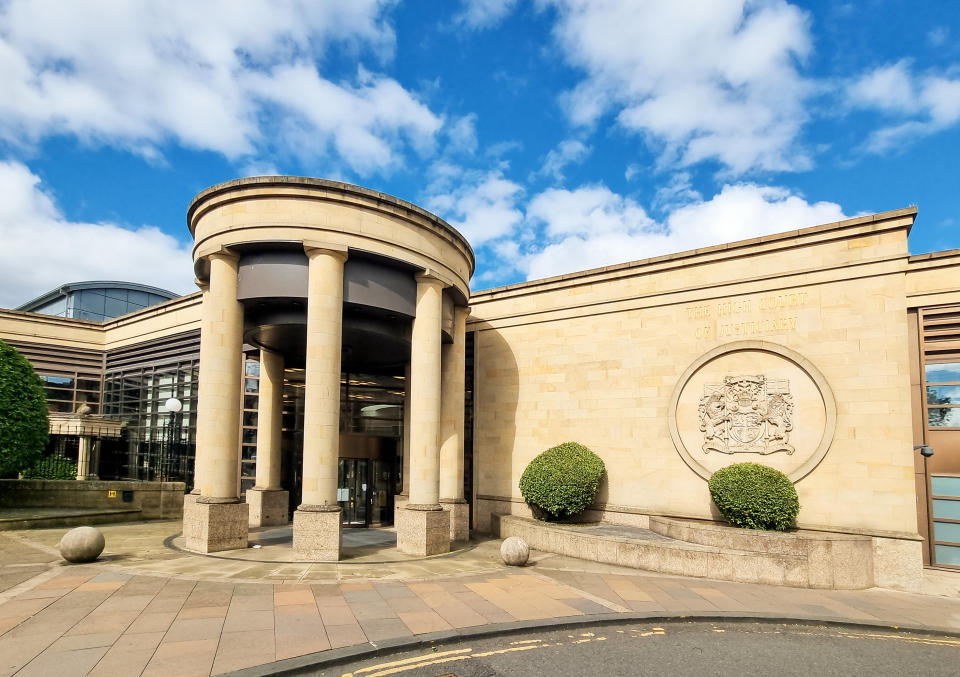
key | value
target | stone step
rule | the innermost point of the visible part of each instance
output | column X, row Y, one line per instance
column 652, row 551
column 13, row 519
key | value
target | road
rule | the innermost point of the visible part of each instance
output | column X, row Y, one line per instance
column 694, row 649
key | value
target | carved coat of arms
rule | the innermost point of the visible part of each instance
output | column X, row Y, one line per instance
column 747, row 414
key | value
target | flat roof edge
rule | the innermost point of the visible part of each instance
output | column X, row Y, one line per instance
column 775, row 237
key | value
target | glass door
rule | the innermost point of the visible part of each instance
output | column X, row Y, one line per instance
column 353, row 490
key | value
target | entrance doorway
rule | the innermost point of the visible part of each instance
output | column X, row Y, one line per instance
column 364, row 492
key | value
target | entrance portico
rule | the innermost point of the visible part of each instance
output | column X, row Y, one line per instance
column 326, row 277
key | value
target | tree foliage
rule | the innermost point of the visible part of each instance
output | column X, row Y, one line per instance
column 24, row 428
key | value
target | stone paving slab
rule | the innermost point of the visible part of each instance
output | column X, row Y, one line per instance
column 127, row 615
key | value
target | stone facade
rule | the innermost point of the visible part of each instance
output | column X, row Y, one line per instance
column 597, row 357
column 795, row 350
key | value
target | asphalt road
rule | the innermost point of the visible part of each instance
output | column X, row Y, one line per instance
column 679, row 648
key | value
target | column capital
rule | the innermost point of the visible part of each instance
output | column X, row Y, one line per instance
column 204, row 285
column 312, row 249
column 429, row 276
column 222, row 253
column 463, row 311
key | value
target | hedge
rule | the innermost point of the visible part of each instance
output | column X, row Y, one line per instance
column 562, row 481
column 755, row 496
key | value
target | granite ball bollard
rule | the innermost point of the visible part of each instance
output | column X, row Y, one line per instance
column 514, row 551
column 83, row 544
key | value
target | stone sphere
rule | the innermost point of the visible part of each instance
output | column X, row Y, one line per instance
column 83, row 544
column 514, row 551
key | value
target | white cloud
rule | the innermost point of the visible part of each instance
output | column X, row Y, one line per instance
column 462, row 134
column 482, row 205
column 699, row 79
column 570, row 151
column 479, row 14
column 887, row 88
column 591, row 226
column 214, row 75
column 42, row 249
column 919, row 104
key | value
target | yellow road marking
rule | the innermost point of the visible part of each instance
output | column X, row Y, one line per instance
column 423, row 661
column 917, row 640
column 407, row 661
column 502, row 651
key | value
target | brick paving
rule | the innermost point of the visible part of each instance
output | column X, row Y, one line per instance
column 108, row 618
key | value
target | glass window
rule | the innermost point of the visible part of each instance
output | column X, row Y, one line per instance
column 115, row 307
column 137, row 299
column 57, row 307
column 253, row 368
column 250, row 402
column 947, row 554
column 943, row 373
column 943, row 417
column 250, row 419
column 943, row 395
column 945, row 486
column 88, row 384
column 58, row 381
column 945, row 509
column 91, row 301
column 249, row 436
column 116, row 294
column 946, row 531
column 58, row 393
column 251, row 385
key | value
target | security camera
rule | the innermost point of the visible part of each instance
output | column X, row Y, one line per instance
column 925, row 450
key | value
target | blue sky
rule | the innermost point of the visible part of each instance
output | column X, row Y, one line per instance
column 558, row 135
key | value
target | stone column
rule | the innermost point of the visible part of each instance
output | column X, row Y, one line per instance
column 401, row 499
column 453, row 358
column 85, row 458
column 423, row 527
column 190, row 499
column 218, row 520
column 269, row 503
column 316, row 522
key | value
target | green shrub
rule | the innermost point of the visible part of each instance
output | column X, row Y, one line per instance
column 755, row 496
column 24, row 428
column 51, row 468
column 562, row 481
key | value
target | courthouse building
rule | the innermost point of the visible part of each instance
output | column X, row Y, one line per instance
column 336, row 370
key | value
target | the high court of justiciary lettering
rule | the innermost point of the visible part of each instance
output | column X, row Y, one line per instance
column 336, row 370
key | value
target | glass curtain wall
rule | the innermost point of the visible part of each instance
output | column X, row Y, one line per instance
column 158, row 445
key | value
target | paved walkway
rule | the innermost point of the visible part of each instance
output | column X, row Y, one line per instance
column 148, row 609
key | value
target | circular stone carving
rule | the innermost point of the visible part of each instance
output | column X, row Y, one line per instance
column 514, row 552
column 83, row 544
column 752, row 401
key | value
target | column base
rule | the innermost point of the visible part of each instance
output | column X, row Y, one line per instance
column 399, row 503
column 316, row 533
column 212, row 527
column 459, row 518
column 423, row 530
column 268, row 507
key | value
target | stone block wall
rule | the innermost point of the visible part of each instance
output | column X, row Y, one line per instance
column 155, row 500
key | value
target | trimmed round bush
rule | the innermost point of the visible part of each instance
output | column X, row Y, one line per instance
column 755, row 496
column 24, row 428
column 562, row 481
